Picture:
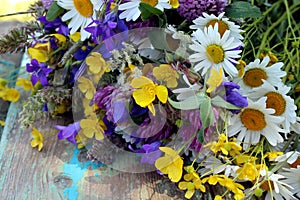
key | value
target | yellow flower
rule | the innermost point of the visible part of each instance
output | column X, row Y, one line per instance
column 89, row 109
column 75, row 37
column 241, row 68
column 78, row 139
column 97, row 65
column 40, row 52
column 226, row 147
column 218, row 197
column 248, row 170
column 2, row 123
column 170, row 164
column 86, row 86
column 61, row 38
column 91, row 127
column 212, row 180
column 37, row 140
column 10, row 94
column 146, row 92
column 174, row 3
column 215, row 79
column 190, row 184
column 25, row 83
column 166, row 73
column 272, row 155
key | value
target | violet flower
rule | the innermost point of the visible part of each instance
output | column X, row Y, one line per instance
column 107, row 28
column 68, row 132
column 150, row 152
column 83, row 52
column 39, row 72
column 55, row 25
column 233, row 96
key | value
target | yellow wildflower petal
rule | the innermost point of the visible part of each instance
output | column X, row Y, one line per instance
column 218, row 197
column 141, row 82
column 99, row 135
column 215, row 79
column 86, row 86
column 34, row 143
column 189, row 194
column 61, row 38
column 12, row 95
column 89, row 132
column 172, row 83
column 174, row 3
column 40, row 146
column 170, row 164
column 2, row 123
column 39, row 55
column 94, row 62
column 143, row 98
column 162, row 93
column 75, row 36
column 25, row 83
column 152, row 109
column 37, row 139
column 182, row 185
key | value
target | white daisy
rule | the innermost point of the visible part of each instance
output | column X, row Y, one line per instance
column 214, row 51
column 279, row 190
column 254, row 121
column 290, row 157
column 257, row 71
column 278, row 100
column 184, row 93
column 80, row 13
column 131, row 9
column 292, row 178
column 224, row 24
column 296, row 126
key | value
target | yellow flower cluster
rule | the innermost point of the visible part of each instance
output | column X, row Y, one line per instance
column 8, row 94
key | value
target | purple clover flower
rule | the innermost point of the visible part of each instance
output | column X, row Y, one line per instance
column 47, row 3
column 68, row 132
column 191, row 9
column 39, row 72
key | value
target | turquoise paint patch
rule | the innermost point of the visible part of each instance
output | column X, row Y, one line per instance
column 75, row 170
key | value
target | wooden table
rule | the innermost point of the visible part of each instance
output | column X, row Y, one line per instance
column 61, row 171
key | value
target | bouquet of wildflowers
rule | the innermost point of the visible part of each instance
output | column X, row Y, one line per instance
column 202, row 92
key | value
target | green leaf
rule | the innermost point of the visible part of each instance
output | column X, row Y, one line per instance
column 148, row 10
column 207, row 118
column 190, row 103
column 158, row 39
column 242, row 9
column 220, row 102
column 54, row 11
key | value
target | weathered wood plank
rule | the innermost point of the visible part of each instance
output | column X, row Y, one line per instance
column 9, row 64
column 60, row 171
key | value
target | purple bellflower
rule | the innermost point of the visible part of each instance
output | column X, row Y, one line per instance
column 39, row 72
column 68, row 132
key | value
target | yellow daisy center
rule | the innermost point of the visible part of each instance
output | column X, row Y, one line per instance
column 277, row 102
column 151, row 2
column 222, row 25
column 84, row 7
column 253, row 77
column 253, row 119
column 215, row 53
